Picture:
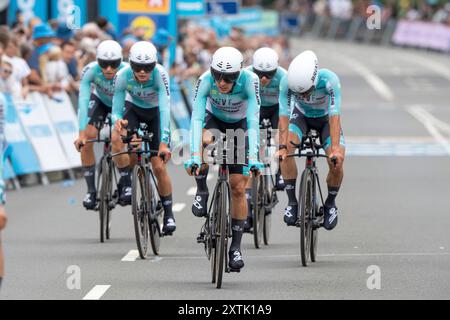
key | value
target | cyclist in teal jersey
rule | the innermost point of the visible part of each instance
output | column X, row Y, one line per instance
column 94, row 105
column 265, row 66
column 226, row 98
column 315, row 95
column 142, row 95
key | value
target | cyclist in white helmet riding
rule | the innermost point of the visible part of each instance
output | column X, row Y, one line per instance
column 316, row 96
column 266, row 66
column 226, row 99
column 142, row 95
column 94, row 105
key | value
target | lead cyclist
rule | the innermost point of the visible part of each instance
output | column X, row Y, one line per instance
column 226, row 98
column 316, row 96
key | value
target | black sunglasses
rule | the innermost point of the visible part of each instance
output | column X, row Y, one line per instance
column 227, row 77
column 306, row 93
column 146, row 67
column 268, row 74
column 104, row 64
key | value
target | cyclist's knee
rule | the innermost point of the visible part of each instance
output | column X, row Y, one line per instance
column 238, row 188
column 159, row 169
column 91, row 132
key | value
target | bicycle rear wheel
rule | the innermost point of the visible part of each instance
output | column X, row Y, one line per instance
column 306, row 207
column 258, row 209
column 105, row 191
column 221, row 234
column 140, row 206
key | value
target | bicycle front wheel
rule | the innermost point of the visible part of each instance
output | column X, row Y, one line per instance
column 140, row 209
column 104, row 199
column 101, row 213
column 306, row 207
column 156, row 216
column 221, row 233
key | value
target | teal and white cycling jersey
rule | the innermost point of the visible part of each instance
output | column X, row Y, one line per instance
column 243, row 102
column 270, row 94
column 325, row 100
column 102, row 88
column 155, row 93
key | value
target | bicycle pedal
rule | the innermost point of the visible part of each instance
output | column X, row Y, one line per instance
column 201, row 238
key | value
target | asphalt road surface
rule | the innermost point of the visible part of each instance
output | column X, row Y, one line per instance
column 394, row 209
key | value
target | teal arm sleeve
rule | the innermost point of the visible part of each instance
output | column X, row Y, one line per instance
column 198, row 114
column 164, row 105
column 254, row 104
column 284, row 98
column 119, row 96
column 84, row 96
column 334, row 90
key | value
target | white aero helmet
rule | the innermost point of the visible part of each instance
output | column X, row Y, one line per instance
column 265, row 60
column 143, row 52
column 227, row 60
column 227, row 64
column 303, row 72
column 109, row 50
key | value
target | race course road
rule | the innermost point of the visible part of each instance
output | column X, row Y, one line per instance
column 394, row 209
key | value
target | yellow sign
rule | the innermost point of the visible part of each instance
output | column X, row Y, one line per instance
column 144, row 6
column 147, row 23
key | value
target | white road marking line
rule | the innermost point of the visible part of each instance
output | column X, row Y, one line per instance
column 156, row 259
column 428, row 121
column 131, row 256
column 442, row 248
column 97, row 292
column 192, row 191
column 431, row 64
column 178, row 207
column 372, row 79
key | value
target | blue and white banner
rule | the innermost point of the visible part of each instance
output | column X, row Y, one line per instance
column 178, row 109
column 221, row 7
column 41, row 133
column 19, row 151
column 64, row 119
column 190, row 8
column 29, row 8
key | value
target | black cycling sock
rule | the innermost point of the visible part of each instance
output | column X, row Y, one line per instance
column 201, row 180
column 125, row 177
column 248, row 194
column 89, row 176
column 332, row 194
column 290, row 190
column 167, row 205
column 237, row 226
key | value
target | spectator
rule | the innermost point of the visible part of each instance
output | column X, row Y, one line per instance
column 8, row 84
column 20, row 68
column 106, row 27
column 42, row 38
column 56, row 69
column 68, row 54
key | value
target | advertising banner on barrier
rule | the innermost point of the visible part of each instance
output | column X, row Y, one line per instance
column 422, row 35
column 178, row 109
column 65, row 121
column 20, row 151
column 41, row 133
column 190, row 8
